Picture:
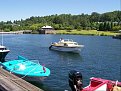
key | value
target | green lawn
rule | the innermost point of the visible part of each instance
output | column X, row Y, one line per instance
column 86, row 32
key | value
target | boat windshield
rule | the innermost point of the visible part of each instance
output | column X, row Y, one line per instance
column 68, row 40
column 2, row 48
column 73, row 43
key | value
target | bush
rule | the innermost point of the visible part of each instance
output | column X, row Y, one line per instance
column 6, row 30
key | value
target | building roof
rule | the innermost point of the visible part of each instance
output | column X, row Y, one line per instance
column 46, row 27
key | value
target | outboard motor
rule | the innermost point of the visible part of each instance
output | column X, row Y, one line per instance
column 75, row 80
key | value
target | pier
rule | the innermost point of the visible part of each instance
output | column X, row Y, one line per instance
column 17, row 32
column 10, row 82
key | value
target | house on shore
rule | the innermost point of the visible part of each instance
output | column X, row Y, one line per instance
column 47, row 30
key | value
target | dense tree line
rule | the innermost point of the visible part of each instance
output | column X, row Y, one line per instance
column 109, row 21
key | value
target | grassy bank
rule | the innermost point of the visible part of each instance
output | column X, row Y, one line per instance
column 86, row 32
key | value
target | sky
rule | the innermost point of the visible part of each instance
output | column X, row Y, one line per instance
column 23, row 9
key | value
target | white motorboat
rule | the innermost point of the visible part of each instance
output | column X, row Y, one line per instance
column 3, row 52
column 66, row 45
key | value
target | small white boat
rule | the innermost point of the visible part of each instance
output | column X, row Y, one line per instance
column 3, row 52
column 118, row 36
column 66, row 45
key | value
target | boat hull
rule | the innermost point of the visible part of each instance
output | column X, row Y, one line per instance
column 66, row 49
column 3, row 55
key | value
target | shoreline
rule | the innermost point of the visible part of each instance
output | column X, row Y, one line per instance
column 74, row 32
column 87, row 32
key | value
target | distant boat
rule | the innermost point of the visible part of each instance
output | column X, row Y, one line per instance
column 3, row 52
column 96, row 84
column 66, row 45
column 26, row 69
column 118, row 36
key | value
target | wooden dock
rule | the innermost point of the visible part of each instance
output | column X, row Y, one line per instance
column 10, row 82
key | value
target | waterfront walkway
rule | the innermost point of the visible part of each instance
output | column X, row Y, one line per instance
column 18, row 32
column 10, row 82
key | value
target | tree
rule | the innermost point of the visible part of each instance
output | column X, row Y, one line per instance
column 103, row 22
column 101, row 27
column 95, row 17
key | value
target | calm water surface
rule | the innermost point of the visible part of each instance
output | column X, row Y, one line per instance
column 101, row 57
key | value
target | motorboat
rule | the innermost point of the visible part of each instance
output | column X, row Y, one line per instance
column 66, row 45
column 118, row 36
column 3, row 52
column 96, row 84
column 99, row 84
column 26, row 69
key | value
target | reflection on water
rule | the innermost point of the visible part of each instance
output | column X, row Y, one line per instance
column 40, row 85
column 68, row 55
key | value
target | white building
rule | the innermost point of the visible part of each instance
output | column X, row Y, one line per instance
column 47, row 30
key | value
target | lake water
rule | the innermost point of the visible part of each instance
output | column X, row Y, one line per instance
column 101, row 57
